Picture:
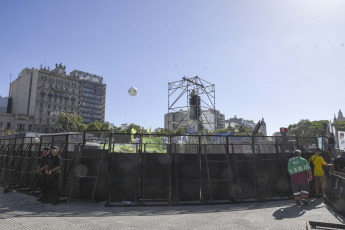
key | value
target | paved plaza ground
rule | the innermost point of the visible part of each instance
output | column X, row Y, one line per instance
column 21, row 211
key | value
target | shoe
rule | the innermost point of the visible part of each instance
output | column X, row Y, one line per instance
column 55, row 203
column 304, row 202
column 298, row 202
column 39, row 199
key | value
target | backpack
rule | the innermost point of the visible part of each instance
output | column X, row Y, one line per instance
column 311, row 163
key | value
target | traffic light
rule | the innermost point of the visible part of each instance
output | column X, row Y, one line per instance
column 283, row 131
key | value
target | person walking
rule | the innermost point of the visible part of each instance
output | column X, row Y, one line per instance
column 316, row 162
column 300, row 173
column 53, row 171
column 42, row 179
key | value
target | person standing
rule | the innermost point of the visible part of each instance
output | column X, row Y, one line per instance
column 339, row 162
column 42, row 179
column 53, row 171
column 300, row 173
column 319, row 174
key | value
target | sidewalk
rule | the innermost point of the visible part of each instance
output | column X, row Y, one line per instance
column 21, row 211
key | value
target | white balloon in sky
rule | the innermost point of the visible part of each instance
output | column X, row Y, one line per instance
column 132, row 91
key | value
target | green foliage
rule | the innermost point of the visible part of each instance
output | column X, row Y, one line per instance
column 94, row 126
column 136, row 127
column 181, row 131
column 116, row 129
column 105, row 126
column 221, row 131
column 306, row 128
column 339, row 125
column 71, row 122
column 162, row 132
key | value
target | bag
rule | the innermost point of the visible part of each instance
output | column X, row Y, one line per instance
column 312, row 164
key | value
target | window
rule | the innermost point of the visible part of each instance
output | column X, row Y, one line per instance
column 41, row 105
column 48, row 106
column 8, row 125
column 30, row 127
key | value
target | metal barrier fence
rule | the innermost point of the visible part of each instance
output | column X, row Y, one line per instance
column 335, row 191
column 159, row 169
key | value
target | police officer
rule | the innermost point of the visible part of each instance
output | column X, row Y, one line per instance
column 42, row 179
column 53, row 171
column 339, row 163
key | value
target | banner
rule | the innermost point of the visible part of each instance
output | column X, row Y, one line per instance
column 341, row 140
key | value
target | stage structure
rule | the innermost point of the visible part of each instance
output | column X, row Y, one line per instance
column 192, row 105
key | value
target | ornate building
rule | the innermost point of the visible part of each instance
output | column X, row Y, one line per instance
column 340, row 116
column 43, row 93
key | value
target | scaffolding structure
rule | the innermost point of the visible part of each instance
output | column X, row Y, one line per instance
column 193, row 96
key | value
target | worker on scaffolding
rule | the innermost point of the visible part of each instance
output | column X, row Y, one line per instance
column 41, row 171
column 301, row 174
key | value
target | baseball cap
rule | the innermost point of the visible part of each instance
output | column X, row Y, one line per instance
column 54, row 148
column 46, row 148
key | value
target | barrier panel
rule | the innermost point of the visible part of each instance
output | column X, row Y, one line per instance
column 218, row 178
column 155, row 179
column 335, row 191
column 145, row 169
column 186, row 165
column 90, row 171
column 124, row 171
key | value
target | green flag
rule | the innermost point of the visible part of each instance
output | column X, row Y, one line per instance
column 149, row 130
column 133, row 131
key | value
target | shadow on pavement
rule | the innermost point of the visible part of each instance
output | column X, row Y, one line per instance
column 21, row 205
column 294, row 211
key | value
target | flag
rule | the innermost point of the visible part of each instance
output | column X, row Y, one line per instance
column 329, row 127
column 149, row 130
column 133, row 131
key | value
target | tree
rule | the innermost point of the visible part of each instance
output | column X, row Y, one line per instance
column 94, row 126
column 221, row 131
column 339, row 125
column 116, row 129
column 134, row 126
column 181, row 131
column 306, row 128
column 161, row 132
column 71, row 122
column 105, row 126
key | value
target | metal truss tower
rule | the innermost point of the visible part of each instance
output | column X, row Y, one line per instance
column 196, row 98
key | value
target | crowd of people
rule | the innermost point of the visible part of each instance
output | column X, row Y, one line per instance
column 302, row 172
column 49, row 170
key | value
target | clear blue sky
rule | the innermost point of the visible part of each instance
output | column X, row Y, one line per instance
column 283, row 60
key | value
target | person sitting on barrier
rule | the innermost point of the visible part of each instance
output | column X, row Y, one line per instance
column 53, row 171
column 339, row 163
column 300, row 173
column 42, row 180
column 319, row 174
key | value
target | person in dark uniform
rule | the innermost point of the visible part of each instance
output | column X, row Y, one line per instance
column 42, row 179
column 53, row 171
column 339, row 163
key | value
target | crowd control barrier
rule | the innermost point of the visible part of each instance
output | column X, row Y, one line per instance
column 148, row 169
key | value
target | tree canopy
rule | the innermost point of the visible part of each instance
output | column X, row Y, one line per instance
column 306, row 128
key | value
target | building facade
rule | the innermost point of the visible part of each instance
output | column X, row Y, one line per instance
column 92, row 96
column 3, row 104
column 211, row 120
column 236, row 122
column 41, row 94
